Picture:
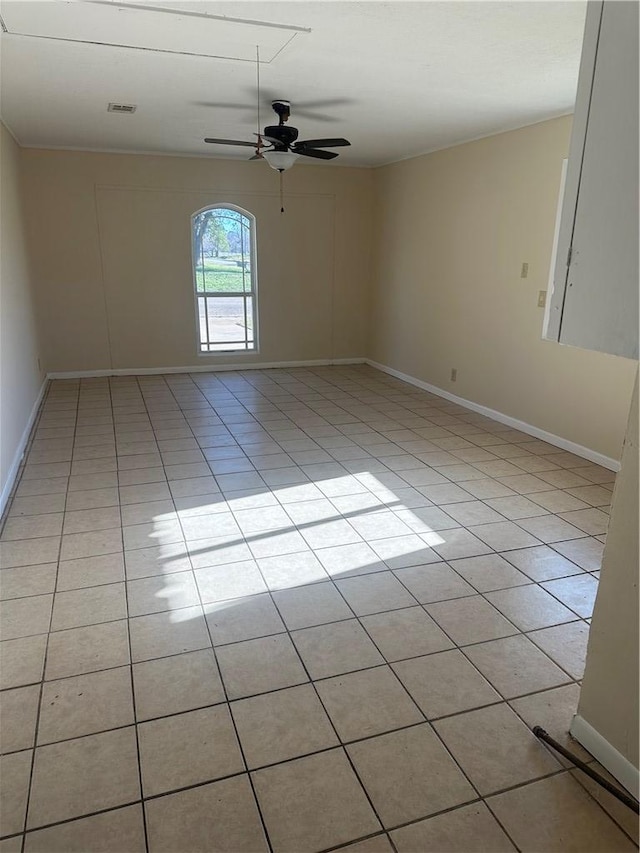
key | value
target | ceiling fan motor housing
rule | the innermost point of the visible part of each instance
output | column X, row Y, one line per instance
column 285, row 135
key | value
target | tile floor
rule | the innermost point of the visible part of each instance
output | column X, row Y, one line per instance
column 294, row 611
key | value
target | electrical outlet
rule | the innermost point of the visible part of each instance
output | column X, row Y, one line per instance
column 524, row 272
column 542, row 298
column 454, row 374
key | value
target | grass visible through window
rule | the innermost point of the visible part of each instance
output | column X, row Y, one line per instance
column 223, row 275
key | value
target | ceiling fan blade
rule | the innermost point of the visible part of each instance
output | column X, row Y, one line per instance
column 231, row 142
column 269, row 139
column 300, row 113
column 316, row 152
column 297, row 105
column 220, row 105
column 314, row 116
column 322, row 143
column 326, row 102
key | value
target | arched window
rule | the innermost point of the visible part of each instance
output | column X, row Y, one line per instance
column 224, row 273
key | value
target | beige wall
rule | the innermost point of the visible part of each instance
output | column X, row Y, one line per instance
column 451, row 232
column 111, row 247
column 609, row 696
column 20, row 377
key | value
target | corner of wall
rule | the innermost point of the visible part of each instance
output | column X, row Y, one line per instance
column 22, row 377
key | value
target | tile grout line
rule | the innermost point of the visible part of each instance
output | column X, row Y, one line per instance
column 310, row 681
column 143, row 815
column 233, row 722
column 44, row 663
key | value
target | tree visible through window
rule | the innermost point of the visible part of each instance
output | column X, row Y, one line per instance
column 224, row 274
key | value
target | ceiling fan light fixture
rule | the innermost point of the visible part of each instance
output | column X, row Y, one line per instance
column 280, row 160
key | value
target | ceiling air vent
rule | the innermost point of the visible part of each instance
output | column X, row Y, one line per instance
column 121, row 108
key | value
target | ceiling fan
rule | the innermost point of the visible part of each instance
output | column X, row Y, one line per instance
column 278, row 144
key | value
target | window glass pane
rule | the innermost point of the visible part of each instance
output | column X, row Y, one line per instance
column 226, row 324
column 222, row 251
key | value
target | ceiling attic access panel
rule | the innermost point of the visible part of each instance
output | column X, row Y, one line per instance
column 188, row 30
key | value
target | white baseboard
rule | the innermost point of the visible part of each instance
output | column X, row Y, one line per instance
column 529, row 429
column 612, row 760
column 19, row 453
column 536, row 432
column 201, row 368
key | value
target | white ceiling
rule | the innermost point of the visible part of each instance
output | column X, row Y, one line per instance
column 396, row 78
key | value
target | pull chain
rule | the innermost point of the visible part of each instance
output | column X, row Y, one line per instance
column 281, row 196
